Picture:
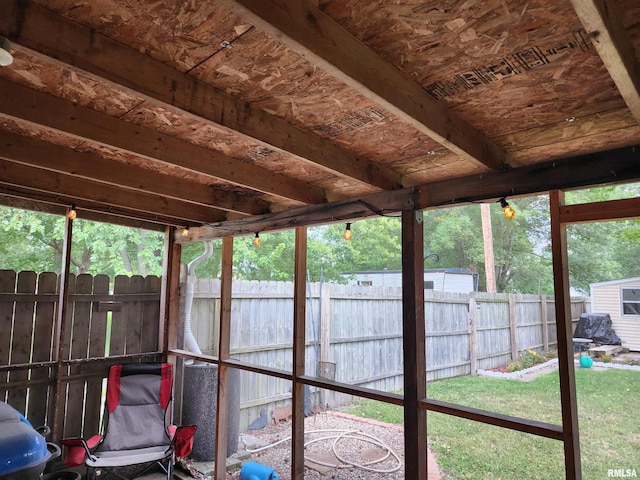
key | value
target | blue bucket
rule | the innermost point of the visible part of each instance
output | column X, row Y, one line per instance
column 257, row 471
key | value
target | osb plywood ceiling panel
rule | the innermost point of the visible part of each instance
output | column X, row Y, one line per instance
column 286, row 104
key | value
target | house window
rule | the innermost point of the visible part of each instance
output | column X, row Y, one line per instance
column 365, row 283
column 631, row 301
column 428, row 284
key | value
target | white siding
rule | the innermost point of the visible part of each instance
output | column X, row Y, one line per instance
column 442, row 281
column 606, row 298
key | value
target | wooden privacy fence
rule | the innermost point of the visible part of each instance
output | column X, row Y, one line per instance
column 357, row 332
column 106, row 323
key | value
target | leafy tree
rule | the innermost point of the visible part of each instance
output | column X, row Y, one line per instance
column 604, row 250
column 34, row 241
column 376, row 244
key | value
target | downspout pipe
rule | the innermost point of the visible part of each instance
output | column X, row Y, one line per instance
column 190, row 341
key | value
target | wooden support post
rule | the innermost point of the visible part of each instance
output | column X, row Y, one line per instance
column 513, row 328
column 299, row 321
column 413, row 334
column 60, row 328
column 545, row 323
column 473, row 335
column 568, row 397
column 169, row 294
column 222, row 414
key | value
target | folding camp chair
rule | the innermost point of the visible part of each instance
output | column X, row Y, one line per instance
column 135, row 427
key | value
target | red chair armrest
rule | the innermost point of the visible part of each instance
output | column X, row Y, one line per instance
column 78, row 449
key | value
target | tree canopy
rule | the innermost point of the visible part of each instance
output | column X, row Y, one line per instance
column 33, row 241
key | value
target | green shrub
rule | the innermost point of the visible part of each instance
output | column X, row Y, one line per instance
column 531, row 358
column 515, row 366
column 606, row 358
column 528, row 359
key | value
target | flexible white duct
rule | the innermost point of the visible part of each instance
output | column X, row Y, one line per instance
column 189, row 340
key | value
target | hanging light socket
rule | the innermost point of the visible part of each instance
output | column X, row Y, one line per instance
column 256, row 240
column 6, row 58
column 507, row 210
column 185, row 231
column 347, row 235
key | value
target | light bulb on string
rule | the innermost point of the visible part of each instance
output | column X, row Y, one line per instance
column 185, row 231
column 256, row 240
column 347, row 235
column 507, row 210
column 72, row 214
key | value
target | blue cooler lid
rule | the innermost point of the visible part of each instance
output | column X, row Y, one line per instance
column 21, row 447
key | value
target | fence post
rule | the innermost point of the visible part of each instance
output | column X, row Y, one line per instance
column 473, row 317
column 545, row 327
column 512, row 327
column 325, row 323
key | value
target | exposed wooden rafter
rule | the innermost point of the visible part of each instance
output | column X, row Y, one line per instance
column 93, row 166
column 55, row 113
column 43, row 32
column 314, row 35
column 77, row 190
column 603, row 22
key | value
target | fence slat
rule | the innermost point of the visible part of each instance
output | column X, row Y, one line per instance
column 150, row 316
column 119, row 319
column 22, row 335
column 134, row 317
column 40, row 396
column 81, row 312
column 7, row 285
column 97, row 345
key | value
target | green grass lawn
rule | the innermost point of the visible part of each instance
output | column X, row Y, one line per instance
column 609, row 419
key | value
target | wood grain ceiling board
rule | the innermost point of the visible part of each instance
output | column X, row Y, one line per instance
column 391, row 180
column 268, row 75
column 503, row 66
column 522, row 76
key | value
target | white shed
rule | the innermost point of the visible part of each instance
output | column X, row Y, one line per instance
column 458, row 280
column 621, row 300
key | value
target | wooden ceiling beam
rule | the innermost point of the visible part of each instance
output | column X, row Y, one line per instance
column 602, row 20
column 308, row 31
column 57, row 206
column 78, row 190
column 613, row 166
column 24, row 103
column 342, row 211
column 90, row 165
column 44, row 32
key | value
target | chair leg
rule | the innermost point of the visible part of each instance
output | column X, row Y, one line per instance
column 91, row 473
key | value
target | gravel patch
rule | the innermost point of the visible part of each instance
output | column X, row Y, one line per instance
column 357, row 445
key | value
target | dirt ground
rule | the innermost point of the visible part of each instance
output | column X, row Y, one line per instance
column 337, row 446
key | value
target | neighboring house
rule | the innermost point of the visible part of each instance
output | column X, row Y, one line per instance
column 621, row 300
column 459, row 280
